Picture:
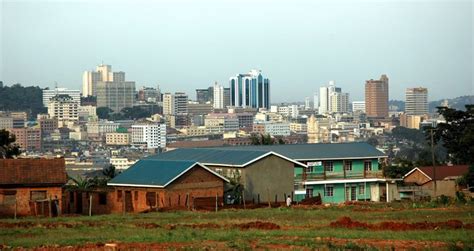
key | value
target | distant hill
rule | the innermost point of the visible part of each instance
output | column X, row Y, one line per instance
column 19, row 98
column 458, row 103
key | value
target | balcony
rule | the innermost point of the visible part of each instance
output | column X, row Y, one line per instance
column 315, row 176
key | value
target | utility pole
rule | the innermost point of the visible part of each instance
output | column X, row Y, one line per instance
column 433, row 161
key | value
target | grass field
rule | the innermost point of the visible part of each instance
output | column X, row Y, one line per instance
column 265, row 228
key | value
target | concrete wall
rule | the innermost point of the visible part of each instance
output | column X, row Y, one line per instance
column 269, row 176
column 24, row 205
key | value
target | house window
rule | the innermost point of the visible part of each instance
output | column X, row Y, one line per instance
column 361, row 189
column 328, row 166
column 119, row 195
column 9, row 197
column 102, row 199
column 329, row 191
column 368, row 165
column 309, row 192
column 348, row 165
column 136, row 195
column 151, row 199
column 37, row 195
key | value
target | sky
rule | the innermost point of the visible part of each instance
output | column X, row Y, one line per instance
column 299, row 45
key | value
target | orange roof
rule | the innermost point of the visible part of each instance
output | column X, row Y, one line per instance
column 445, row 171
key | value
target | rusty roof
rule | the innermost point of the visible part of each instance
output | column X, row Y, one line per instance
column 445, row 171
column 32, row 172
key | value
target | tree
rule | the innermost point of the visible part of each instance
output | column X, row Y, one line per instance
column 19, row 98
column 373, row 141
column 457, row 134
column 103, row 112
column 7, row 149
column 109, row 172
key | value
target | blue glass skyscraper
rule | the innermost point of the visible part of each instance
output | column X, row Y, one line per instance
column 250, row 90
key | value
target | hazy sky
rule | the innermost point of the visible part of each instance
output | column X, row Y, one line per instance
column 299, row 45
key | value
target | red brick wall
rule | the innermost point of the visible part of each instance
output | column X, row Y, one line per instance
column 25, row 207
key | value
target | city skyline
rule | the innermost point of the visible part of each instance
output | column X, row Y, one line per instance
column 304, row 49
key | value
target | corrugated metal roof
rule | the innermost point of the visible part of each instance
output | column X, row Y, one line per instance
column 224, row 156
column 319, row 151
column 152, row 172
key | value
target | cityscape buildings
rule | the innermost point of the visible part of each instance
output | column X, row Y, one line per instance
column 102, row 73
column 64, row 108
column 416, row 102
column 250, row 90
column 48, row 94
column 218, row 102
column 376, row 97
column 115, row 95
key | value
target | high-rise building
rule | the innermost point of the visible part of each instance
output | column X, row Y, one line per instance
column 376, row 97
column 205, row 95
column 332, row 99
column 64, row 108
column 151, row 135
column 180, row 103
column 168, row 104
column 149, row 94
column 115, row 95
column 48, row 94
column 358, row 106
column 316, row 101
column 306, row 103
column 416, row 101
column 102, row 73
column 250, row 90
column 226, row 97
column 218, row 96
column 27, row 138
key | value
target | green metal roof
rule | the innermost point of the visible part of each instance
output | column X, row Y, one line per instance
column 319, row 151
column 152, row 172
column 223, row 156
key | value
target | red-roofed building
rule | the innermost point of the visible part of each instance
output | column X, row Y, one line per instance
column 419, row 181
column 31, row 186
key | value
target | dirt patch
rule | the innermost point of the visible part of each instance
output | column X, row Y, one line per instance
column 242, row 226
column 147, row 225
column 347, row 222
column 257, row 225
column 387, row 244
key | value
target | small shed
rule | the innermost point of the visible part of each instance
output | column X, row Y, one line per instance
column 153, row 183
column 31, row 186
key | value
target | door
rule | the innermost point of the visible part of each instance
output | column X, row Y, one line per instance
column 128, row 201
column 79, row 203
column 353, row 193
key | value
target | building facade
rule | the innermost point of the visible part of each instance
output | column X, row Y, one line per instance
column 250, row 90
column 149, row 135
column 218, row 102
column 48, row 94
column 115, row 95
column 416, row 101
column 64, row 108
column 376, row 97
column 102, row 73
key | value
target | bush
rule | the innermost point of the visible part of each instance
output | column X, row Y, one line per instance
column 460, row 197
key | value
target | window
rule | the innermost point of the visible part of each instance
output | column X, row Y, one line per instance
column 348, row 165
column 151, row 199
column 361, row 189
column 37, row 195
column 368, row 165
column 309, row 169
column 328, row 191
column 328, row 166
column 309, row 192
column 136, row 195
column 102, row 199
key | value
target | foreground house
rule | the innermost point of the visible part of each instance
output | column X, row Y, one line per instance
column 266, row 176
column 337, row 172
column 31, row 186
column 152, row 183
column 420, row 181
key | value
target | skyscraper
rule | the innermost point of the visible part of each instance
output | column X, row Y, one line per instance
column 416, row 102
column 218, row 96
column 315, row 102
column 181, row 103
column 376, row 97
column 204, row 95
column 168, row 104
column 306, row 103
column 250, row 90
column 332, row 99
column 226, row 97
column 102, row 73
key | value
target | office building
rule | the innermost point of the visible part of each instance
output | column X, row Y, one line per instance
column 168, row 104
column 102, row 73
column 376, row 97
column 180, row 103
column 117, row 139
column 27, row 138
column 149, row 94
column 115, row 95
column 416, row 102
column 250, row 90
column 205, row 95
column 332, row 99
column 221, row 122
column 149, row 135
column 226, row 97
column 218, row 96
column 306, row 103
column 48, row 94
column 65, row 109
column 316, row 101
column 358, row 106
column 47, row 124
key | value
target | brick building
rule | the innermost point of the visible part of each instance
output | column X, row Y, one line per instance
column 27, row 138
column 31, row 185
